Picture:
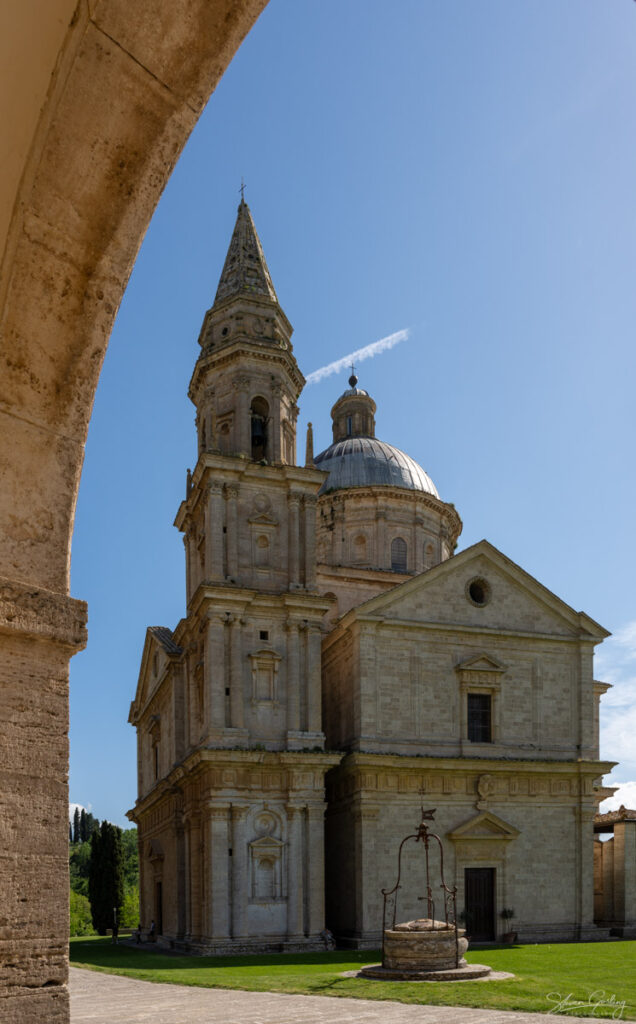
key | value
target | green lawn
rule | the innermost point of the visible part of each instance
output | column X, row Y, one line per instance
column 588, row 973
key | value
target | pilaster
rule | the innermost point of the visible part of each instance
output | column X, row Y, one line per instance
column 310, row 541
column 237, row 719
column 231, row 495
column 293, row 507
column 295, row 872
column 239, row 871
column 215, row 668
column 214, row 531
column 196, row 880
column 380, row 539
column 316, row 869
column 314, row 680
column 276, row 439
column 219, row 909
column 293, row 682
column 241, row 385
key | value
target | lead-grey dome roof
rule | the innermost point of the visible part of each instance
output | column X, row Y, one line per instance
column 367, row 462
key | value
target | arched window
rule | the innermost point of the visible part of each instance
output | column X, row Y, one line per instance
column 259, row 415
column 398, row 555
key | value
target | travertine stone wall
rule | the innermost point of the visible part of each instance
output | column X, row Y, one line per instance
column 124, row 93
column 38, row 632
column 240, row 833
column 533, row 813
column 397, row 670
column 356, row 528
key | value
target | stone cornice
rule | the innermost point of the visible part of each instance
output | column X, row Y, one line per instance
column 38, row 614
column 215, row 469
column 402, row 495
column 442, row 629
column 241, row 600
column 198, row 761
column 426, row 763
column 265, row 352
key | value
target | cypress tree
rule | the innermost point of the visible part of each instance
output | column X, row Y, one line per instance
column 84, row 833
column 106, row 879
column 91, row 824
column 76, row 826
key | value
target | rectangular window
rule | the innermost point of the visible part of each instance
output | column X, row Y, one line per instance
column 479, row 717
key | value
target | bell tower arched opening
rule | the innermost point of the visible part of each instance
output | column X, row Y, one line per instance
column 259, row 421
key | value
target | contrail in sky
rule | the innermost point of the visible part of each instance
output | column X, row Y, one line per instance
column 367, row 352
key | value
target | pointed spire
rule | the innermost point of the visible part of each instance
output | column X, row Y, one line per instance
column 245, row 271
column 309, row 449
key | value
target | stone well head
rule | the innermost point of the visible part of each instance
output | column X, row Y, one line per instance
column 433, row 942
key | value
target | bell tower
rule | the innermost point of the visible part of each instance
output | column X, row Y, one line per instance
column 246, row 381
column 231, row 746
column 249, row 522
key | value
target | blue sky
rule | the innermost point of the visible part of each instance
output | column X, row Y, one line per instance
column 465, row 170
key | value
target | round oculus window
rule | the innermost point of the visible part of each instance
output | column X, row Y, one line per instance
column 478, row 591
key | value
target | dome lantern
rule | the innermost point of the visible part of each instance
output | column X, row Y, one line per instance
column 353, row 414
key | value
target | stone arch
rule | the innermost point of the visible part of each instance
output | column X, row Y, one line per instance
column 105, row 99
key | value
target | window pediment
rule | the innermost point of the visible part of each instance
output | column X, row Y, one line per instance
column 482, row 671
column 484, row 826
column 480, row 663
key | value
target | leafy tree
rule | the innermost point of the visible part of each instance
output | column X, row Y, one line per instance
column 80, row 915
column 130, row 857
column 130, row 909
column 76, row 826
column 105, row 880
column 79, row 866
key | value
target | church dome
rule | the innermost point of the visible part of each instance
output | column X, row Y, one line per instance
column 368, row 462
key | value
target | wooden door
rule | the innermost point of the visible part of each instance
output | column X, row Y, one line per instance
column 479, row 893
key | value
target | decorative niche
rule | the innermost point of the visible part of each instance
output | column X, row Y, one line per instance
column 265, row 664
column 266, row 861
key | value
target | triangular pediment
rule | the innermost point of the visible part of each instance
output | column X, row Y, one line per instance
column 266, row 843
column 484, row 826
column 515, row 601
column 159, row 642
column 263, row 519
column 480, row 663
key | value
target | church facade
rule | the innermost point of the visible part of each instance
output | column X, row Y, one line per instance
column 338, row 665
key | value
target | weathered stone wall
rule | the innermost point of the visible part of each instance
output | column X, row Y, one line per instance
column 38, row 633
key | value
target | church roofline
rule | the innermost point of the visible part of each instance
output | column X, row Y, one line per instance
column 579, row 620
